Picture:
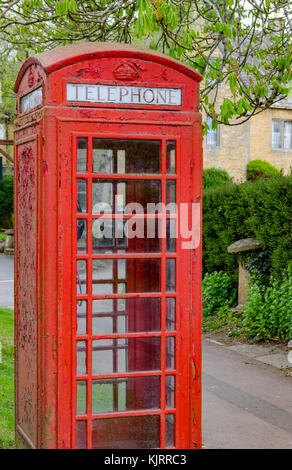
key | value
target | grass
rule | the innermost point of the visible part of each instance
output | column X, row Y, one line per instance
column 7, row 440
column 224, row 320
column 3, row 236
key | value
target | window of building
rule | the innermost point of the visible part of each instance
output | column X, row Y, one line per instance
column 281, row 134
column 2, row 131
column 212, row 137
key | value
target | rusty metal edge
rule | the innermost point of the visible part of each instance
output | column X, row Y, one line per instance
column 25, row 437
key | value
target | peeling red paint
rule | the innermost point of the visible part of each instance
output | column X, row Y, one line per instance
column 45, row 227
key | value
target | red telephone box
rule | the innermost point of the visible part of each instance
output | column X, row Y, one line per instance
column 107, row 326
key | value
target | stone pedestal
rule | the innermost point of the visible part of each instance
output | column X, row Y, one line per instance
column 242, row 284
column 9, row 242
column 246, row 244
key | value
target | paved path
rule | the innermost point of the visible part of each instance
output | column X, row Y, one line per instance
column 246, row 404
column 6, row 281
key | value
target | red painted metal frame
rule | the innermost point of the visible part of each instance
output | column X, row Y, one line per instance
column 163, row 177
column 56, row 244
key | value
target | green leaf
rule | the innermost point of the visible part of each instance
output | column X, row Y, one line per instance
column 232, row 82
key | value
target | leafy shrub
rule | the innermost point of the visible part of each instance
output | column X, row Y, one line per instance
column 217, row 292
column 259, row 210
column 260, row 169
column 6, row 200
column 258, row 262
column 215, row 177
column 268, row 310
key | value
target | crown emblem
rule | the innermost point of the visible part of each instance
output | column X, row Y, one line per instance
column 126, row 71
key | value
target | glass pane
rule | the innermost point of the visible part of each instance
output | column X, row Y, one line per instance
column 102, row 396
column 101, row 288
column 288, row 135
column 81, row 397
column 126, row 156
column 102, row 326
column 170, row 275
column 81, row 441
column 131, row 197
column 121, row 305
column 81, row 155
column 170, row 353
column 102, row 234
column 102, row 197
column 120, row 233
column 170, row 156
column 102, row 317
column 169, row 430
column 143, row 235
column 102, row 159
column 143, row 275
column 143, row 196
column 102, row 269
column 81, row 195
column 170, row 314
column 125, row 315
column 169, row 391
column 134, row 432
column 170, row 193
column 276, row 134
column 81, row 236
column 81, row 277
column 105, row 358
column 81, row 358
column 122, row 272
column 81, row 317
column 125, row 355
column 139, row 393
column 171, row 235
column 121, row 161
column 120, row 197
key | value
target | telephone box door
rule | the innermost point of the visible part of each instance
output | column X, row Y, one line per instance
column 131, row 323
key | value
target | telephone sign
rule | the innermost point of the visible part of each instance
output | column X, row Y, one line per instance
column 123, row 94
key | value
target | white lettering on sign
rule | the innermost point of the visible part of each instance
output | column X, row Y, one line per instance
column 31, row 100
column 119, row 94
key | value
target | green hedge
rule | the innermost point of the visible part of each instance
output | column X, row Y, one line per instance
column 6, row 201
column 215, row 177
column 259, row 210
column 260, row 169
column 268, row 310
column 217, row 292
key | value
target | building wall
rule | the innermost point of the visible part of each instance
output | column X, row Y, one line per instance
column 7, row 133
column 231, row 153
column 237, row 145
column 261, row 139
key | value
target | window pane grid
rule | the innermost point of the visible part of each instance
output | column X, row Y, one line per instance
column 287, row 135
column 281, row 134
column 89, row 296
column 116, row 414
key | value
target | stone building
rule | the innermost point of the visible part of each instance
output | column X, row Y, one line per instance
column 266, row 136
column 6, row 133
